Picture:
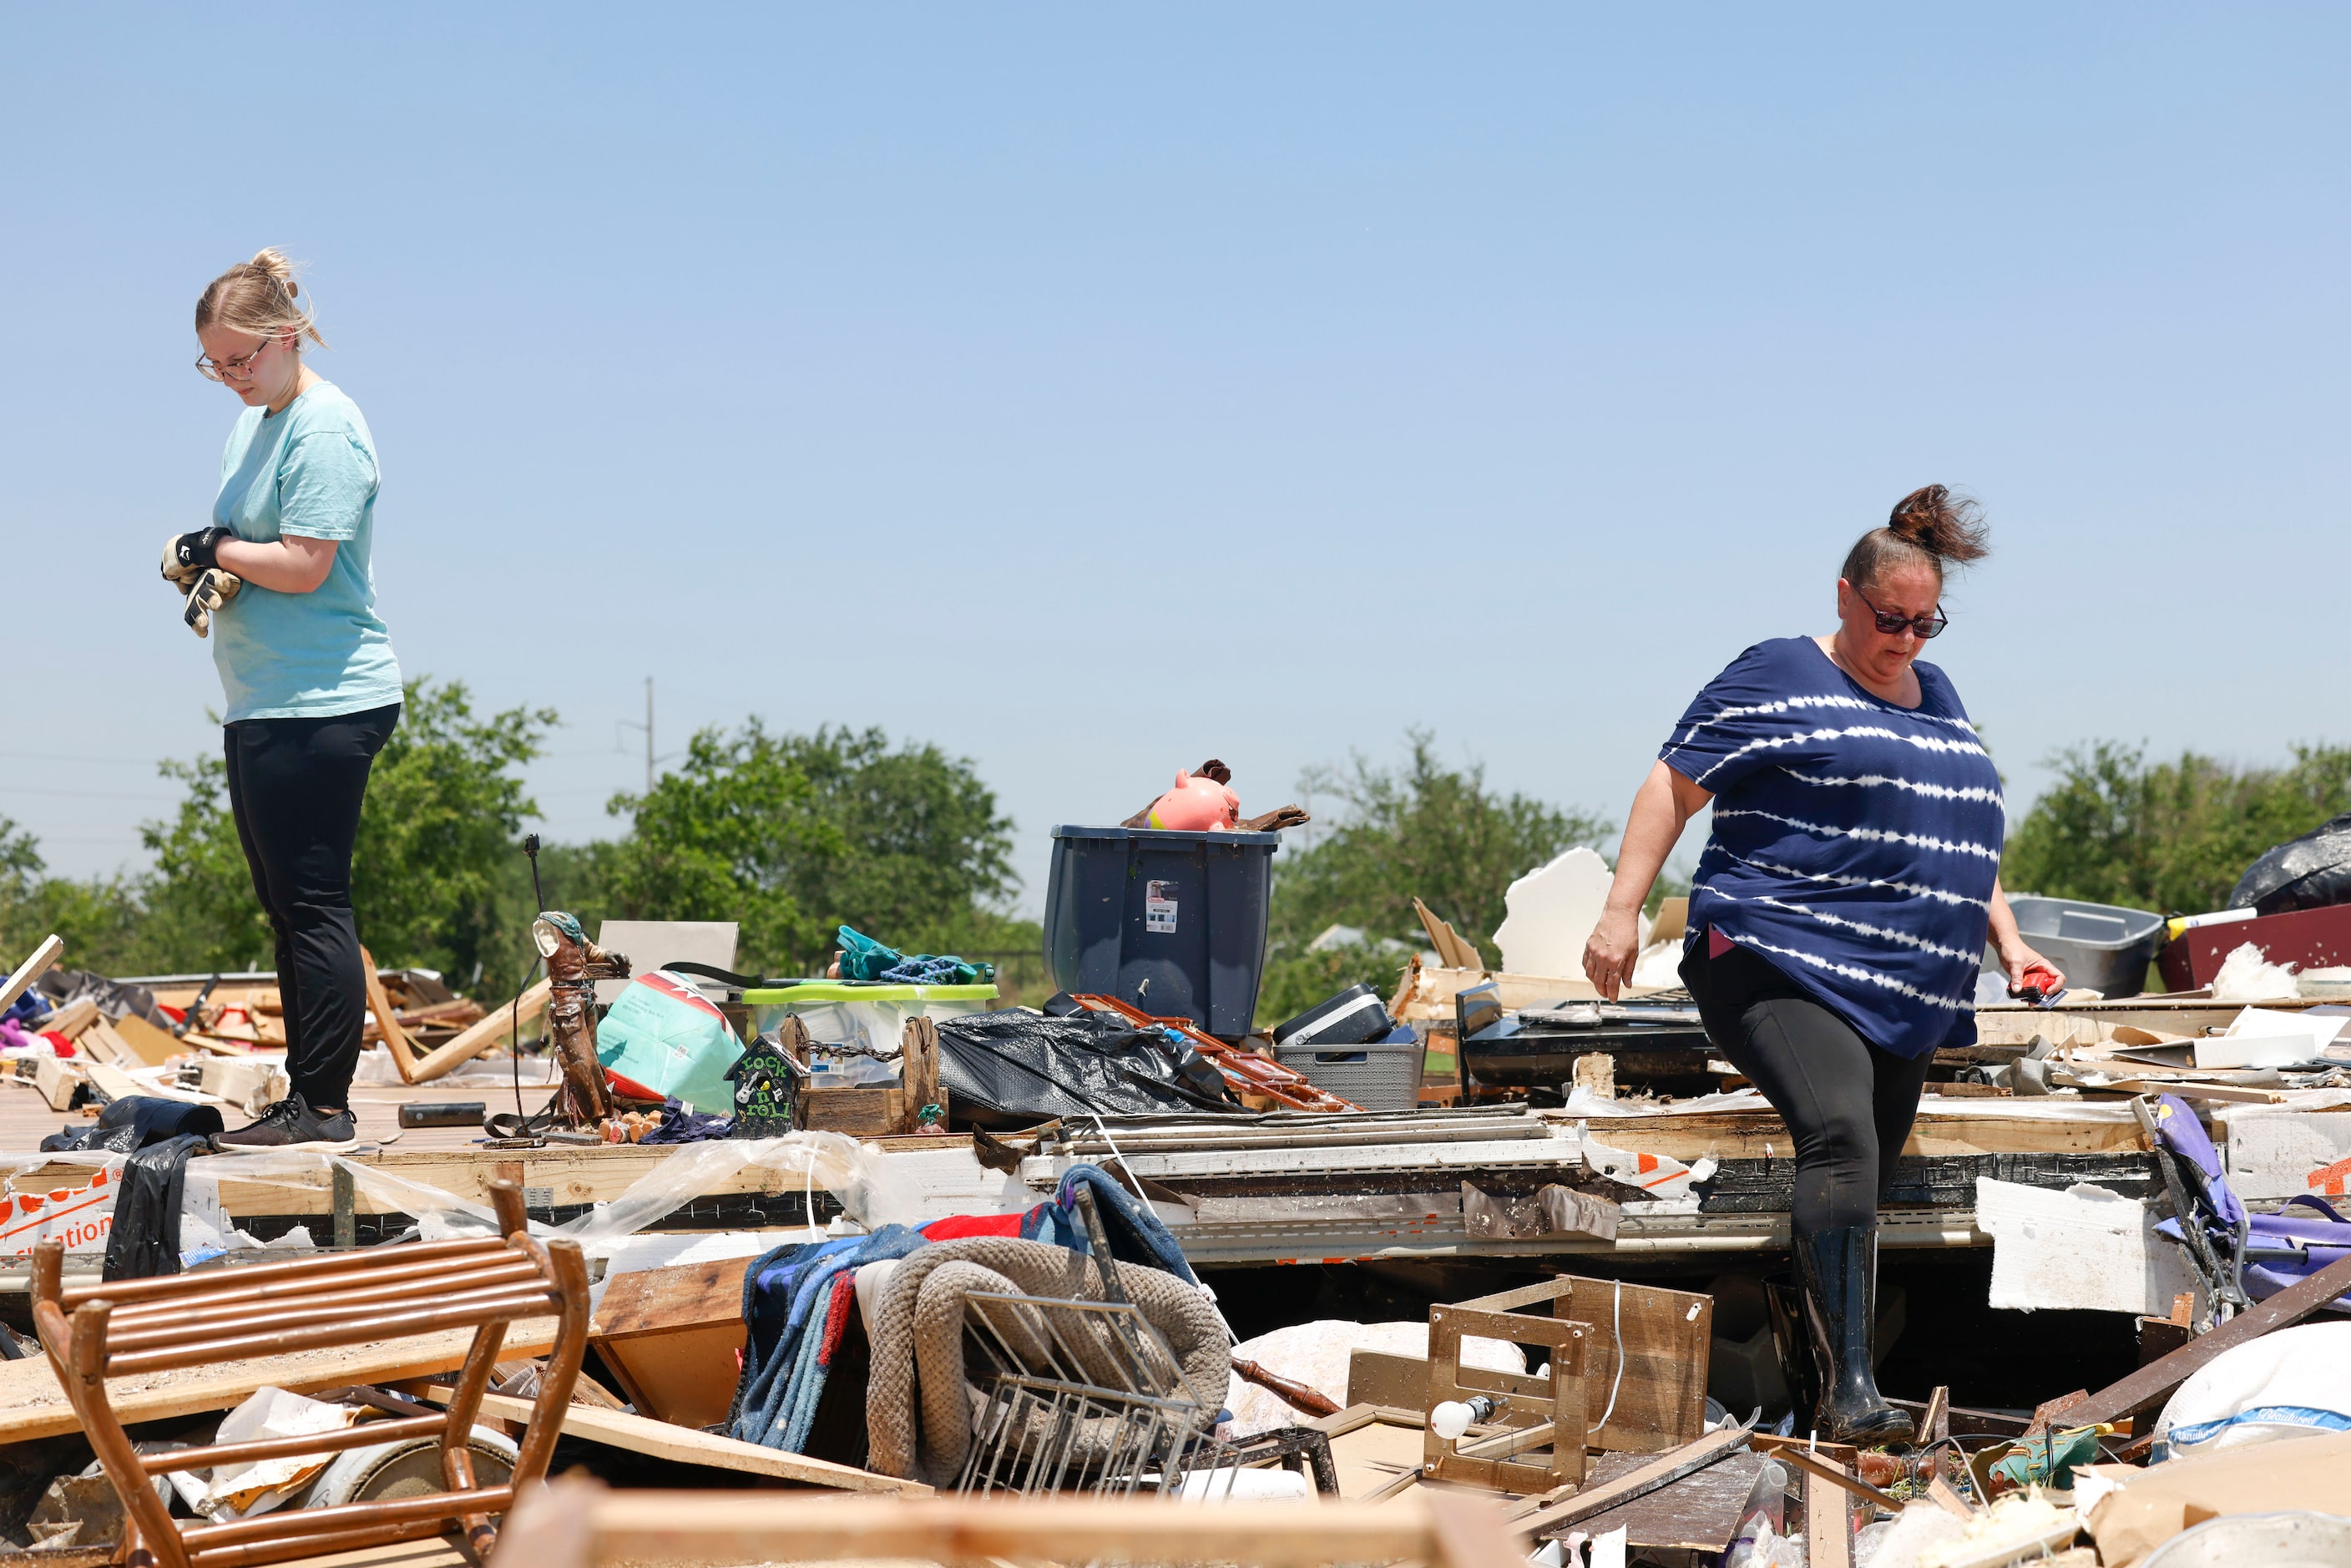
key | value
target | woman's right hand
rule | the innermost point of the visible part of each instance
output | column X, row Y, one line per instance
column 1613, row 949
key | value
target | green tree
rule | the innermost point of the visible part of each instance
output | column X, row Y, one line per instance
column 2171, row 836
column 102, row 920
column 1422, row 830
column 436, row 834
column 793, row 835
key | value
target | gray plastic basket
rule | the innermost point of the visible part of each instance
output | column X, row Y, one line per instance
column 1376, row 1074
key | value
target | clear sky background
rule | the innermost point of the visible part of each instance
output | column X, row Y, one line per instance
column 1091, row 389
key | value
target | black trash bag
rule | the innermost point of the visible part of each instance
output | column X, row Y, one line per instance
column 2312, row 872
column 135, row 1122
column 1016, row 1068
column 145, row 1239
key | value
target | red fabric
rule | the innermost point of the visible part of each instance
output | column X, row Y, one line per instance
column 836, row 1317
column 959, row 1227
column 58, row 1043
column 1717, row 944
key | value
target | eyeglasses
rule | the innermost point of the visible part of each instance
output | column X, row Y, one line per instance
column 240, row 367
column 1890, row 622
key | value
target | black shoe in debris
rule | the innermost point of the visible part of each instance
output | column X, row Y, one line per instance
column 291, row 1125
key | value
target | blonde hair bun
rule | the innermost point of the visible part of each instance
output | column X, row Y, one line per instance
column 260, row 297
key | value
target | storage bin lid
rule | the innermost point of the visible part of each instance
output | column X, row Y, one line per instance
column 1166, row 836
column 850, row 991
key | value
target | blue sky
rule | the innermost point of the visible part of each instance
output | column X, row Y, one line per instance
column 1091, row 389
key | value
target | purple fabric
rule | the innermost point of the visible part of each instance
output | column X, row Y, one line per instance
column 2183, row 1134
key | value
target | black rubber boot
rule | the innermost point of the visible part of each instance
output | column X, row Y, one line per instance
column 1839, row 1272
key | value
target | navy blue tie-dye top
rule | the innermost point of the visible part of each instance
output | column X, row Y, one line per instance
column 1855, row 843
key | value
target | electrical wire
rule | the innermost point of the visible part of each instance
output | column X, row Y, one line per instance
column 1617, row 1330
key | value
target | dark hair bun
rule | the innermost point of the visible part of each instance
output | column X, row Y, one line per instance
column 1947, row 527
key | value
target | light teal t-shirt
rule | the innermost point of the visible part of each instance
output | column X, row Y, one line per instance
column 310, row 471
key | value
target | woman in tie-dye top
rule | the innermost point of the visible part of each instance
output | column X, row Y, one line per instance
column 1840, row 912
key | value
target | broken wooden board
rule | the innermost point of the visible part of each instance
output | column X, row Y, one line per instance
column 1828, row 1524
column 1759, row 1134
column 1662, row 1470
column 1699, row 1514
column 2157, row 1379
column 661, row 1440
column 72, row 1019
column 57, row 1082
column 37, row 964
column 497, row 1027
column 33, row 1404
column 387, row 1021
column 672, row 1337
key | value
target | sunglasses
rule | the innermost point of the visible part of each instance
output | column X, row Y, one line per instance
column 1890, row 622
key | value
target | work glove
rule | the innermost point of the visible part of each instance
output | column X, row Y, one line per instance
column 212, row 589
column 187, row 557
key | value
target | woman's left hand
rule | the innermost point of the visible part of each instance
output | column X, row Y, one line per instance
column 2017, row 957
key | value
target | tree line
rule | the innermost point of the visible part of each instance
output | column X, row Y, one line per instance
column 790, row 835
column 793, row 835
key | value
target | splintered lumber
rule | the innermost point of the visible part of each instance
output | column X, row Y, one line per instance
column 72, row 1019
column 1836, row 1476
column 117, row 1084
column 32, row 969
column 1663, row 1470
column 1700, row 1513
column 1828, row 1524
column 32, row 1405
column 2156, row 1379
column 571, row 1525
column 403, row 1057
column 664, row 1440
column 497, row 1026
column 58, row 1081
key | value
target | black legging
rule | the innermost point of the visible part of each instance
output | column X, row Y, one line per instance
column 1848, row 1104
column 294, row 786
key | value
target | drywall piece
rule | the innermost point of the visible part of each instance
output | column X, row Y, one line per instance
column 2083, row 1248
column 650, row 944
column 2276, row 1153
column 1551, row 912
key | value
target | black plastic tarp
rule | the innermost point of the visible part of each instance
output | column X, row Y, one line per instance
column 2312, row 872
column 1015, row 1068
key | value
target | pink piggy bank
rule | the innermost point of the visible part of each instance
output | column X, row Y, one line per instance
column 1197, row 804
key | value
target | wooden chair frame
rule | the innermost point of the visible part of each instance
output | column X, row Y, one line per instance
column 132, row 1326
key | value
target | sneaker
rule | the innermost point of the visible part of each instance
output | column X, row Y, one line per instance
column 291, row 1125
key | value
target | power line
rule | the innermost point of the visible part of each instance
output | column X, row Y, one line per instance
column 83, row 794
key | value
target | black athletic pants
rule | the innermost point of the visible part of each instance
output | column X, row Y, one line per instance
column 1848, row 1104
column 295, row 785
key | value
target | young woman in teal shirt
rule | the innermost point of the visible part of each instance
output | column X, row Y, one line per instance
column 313, row 684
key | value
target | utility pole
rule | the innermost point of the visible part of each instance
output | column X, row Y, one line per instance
column 648, row 727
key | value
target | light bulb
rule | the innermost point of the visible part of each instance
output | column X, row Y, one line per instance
column 1450, row 1419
